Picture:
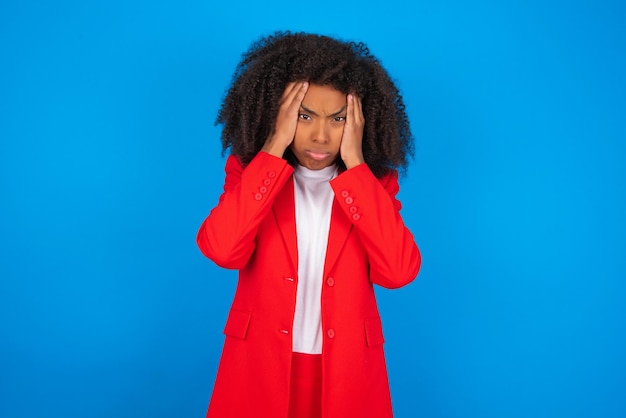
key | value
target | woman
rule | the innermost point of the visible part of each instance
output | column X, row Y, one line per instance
column 317, row 132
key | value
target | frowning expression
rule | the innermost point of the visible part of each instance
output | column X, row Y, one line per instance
column 321, row 120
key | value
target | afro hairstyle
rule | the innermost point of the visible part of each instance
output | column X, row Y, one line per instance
column 250, row 107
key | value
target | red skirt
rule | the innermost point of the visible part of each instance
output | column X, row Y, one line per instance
column 305, row 400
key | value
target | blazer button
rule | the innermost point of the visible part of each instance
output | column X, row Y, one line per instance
column 284, row 331
column 267, row 182
column 345, row 193
column 356, row 216
column 289, row 279
column 349, row 200
column 331, row 333
column 330, row 282
column 353, row 209
column 271, row 174
column 258, row 196
column 263, row 189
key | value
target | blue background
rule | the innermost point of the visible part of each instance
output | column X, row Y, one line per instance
column 109, row 162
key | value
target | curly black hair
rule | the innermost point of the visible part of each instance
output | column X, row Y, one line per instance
column 248, row 112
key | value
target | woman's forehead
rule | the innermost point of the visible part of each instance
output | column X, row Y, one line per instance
column 324, row 98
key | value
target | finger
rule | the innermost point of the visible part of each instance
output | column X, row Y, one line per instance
column 298, row 95
column 290, row 91
column 350, row 109
column 358, row 109
column 288, row 88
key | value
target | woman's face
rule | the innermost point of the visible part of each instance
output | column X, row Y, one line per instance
column 320, row 127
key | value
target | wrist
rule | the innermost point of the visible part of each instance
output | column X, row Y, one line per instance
column 353, row 162
column 274, row 147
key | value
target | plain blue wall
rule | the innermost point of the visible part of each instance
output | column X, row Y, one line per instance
column 109, row 161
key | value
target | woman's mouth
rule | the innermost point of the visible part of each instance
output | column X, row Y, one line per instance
column 317, row 155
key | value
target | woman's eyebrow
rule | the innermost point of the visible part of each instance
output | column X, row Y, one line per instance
column 307, row 110
column 337, row 113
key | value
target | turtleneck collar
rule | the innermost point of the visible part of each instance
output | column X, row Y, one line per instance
column 326, row 173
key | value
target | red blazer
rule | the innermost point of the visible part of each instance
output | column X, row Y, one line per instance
column 253, row 229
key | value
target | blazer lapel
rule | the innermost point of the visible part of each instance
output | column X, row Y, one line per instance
column 284, row 209
column 340, row 227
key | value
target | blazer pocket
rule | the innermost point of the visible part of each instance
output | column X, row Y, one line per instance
column 237, row 324
column 374, row 332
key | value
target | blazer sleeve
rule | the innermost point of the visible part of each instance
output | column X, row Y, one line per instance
column 373, row 209
column 227, row 235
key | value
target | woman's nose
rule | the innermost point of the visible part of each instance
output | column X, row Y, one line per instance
column 320, row 134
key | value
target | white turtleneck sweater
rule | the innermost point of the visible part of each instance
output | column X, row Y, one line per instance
column 314, row 199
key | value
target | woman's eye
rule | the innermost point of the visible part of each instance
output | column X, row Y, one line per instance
column 304, row 116
column 340, row 119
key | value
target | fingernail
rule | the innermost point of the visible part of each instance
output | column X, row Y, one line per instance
column 305, row 84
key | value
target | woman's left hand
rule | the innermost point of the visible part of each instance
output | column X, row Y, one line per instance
column 351, row 149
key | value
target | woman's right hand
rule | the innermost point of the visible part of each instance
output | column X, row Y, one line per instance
column 287, row 119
